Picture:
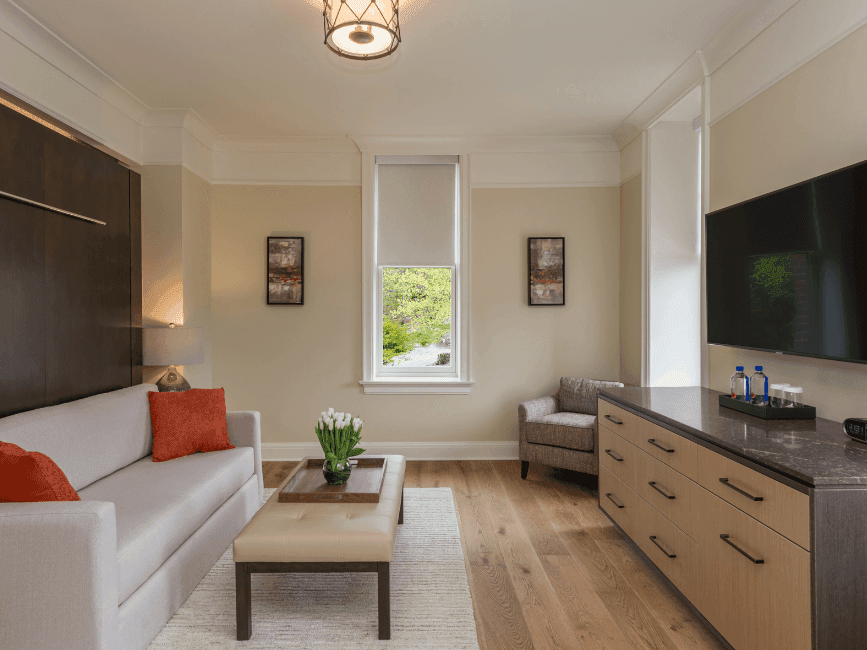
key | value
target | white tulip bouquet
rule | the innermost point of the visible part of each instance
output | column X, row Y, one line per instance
column 339, row 435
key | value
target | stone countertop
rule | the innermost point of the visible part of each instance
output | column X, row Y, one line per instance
column 816, row 452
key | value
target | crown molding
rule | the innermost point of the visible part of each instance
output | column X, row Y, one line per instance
column 25, row 28
column 41, row 70
column 415, row 144
column 793, row 39
column 742, row 30
column 183, row 118
column 546, row 144
column 297, row 144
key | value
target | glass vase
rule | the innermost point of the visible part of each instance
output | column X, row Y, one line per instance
column 338, row 477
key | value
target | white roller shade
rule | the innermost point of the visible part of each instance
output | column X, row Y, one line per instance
column 416, row 214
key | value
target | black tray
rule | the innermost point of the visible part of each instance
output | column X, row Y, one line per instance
column 769, row 412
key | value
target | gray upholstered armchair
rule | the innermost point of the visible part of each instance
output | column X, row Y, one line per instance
column 561, row 430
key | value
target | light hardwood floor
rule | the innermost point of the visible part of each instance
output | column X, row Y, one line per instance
column 546, row 568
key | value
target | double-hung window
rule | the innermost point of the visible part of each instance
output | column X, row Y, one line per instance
column 416, row 342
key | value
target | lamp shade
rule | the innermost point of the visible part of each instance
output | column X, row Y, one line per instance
column 173, row 346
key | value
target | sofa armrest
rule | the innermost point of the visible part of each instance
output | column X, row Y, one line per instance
column 58, row 585
column 538, row 408
column 245, row 431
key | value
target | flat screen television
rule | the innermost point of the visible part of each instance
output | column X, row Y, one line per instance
column 787, row 271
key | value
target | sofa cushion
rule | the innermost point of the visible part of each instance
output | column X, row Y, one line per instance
column 28, row 476
column 580, row 395
column 159, row 505
column 189, row 421
column 89, row 438
column 569, row 430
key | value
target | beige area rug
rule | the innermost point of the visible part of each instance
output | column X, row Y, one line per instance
column 430, row 597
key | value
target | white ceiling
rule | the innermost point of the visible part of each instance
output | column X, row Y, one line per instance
column 258, row 68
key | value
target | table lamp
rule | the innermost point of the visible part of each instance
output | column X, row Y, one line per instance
column 171, row 346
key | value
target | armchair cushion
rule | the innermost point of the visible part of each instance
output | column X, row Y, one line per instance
column 568, row 430
column 536, row 409
column 580, row 395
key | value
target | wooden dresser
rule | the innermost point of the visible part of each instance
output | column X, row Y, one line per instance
column 761, row 525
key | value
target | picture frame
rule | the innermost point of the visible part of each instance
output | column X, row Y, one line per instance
column 284, row 270
column 546, row 271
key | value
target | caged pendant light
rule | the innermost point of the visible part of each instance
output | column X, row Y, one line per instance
column 362, row 29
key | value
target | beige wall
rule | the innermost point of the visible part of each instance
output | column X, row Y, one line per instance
column 631, row 235
column 291, row 362
column 196, row 208
column 810, row 123
column 162, row 250
column 176, row 258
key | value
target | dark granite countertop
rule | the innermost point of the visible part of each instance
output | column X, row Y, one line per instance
column 813, row 452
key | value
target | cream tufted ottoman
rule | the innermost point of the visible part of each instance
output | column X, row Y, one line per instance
column 321, row 538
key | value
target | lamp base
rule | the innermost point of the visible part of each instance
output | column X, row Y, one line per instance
column 173, row 382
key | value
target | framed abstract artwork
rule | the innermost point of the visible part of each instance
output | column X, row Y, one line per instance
column 546, row 271
column 285, row 274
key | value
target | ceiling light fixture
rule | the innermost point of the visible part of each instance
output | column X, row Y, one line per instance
column 362, row 29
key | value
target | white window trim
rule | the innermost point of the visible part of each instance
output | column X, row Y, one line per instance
column 460, row 381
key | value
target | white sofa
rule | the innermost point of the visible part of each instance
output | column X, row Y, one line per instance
column 108, row 572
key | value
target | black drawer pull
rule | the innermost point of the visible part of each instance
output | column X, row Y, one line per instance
column 728, row 541
column 611, row 498
column 725, row 482
column 614, row 420
column 653, row 484
column 667, row 450
column 670, row 556
column 615, row 456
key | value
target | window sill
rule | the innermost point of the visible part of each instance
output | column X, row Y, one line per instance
column 417, row 386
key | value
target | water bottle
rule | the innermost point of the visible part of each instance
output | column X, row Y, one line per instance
column 759, row 387
column 739, row 384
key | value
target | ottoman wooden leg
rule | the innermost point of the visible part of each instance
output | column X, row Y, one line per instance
column 243, row 601
column 384, row 592
column 400, row 516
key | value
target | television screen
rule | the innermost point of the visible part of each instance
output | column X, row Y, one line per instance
column 787, row 272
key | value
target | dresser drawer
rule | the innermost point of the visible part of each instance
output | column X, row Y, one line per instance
column 619, row 501
column 755, row 584
column 620, row 421
column 619, row 456
column 668, row 491
column 670, row 448
column 670, row 549
column 782, row 508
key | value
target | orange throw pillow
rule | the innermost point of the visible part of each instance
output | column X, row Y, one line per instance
column 189, row 421
column 27, row 476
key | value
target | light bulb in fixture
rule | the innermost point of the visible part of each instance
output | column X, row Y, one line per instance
column 360, row 36
column 362, row 29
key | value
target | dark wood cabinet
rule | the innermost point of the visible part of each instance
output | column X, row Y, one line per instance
column 70, row 290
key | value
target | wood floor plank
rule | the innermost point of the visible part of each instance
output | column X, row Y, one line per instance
column 685, row 629
column 545, row 617
column 412, row 474
column 575, row 523
column 273, row 472
column 499, row 616
column 478, row 532
column 591, row 620
column 543, row 537
column 503, row 622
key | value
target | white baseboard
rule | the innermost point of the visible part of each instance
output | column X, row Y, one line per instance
column 412, row 450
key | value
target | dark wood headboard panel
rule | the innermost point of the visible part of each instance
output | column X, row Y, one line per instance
column 70, row 290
